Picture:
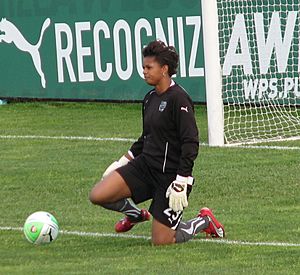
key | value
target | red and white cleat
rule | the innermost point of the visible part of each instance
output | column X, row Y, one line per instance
column 215, row 228
column 125, row 224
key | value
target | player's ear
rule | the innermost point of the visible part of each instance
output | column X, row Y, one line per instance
column 165, row 69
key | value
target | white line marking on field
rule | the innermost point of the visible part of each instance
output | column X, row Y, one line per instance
column 89, row 138
column 67, row 138
column 129, row 236
column 265, row 147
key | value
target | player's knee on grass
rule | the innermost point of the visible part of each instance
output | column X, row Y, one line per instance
column 162, row 240
column 161, row 234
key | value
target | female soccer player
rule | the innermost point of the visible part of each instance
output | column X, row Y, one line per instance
column 159, row 164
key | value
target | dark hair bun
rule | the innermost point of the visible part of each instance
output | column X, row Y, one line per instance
column 165, row 55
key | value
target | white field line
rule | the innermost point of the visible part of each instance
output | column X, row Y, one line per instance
column 67, row 138
column 270, row 147
column 89, row 138
column 129, row 236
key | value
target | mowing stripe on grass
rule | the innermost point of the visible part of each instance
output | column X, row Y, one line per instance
column 129, row 236
column 132, row 140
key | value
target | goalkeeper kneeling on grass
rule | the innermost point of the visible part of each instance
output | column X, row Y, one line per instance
column 159, row 164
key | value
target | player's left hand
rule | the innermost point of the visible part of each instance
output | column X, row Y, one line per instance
column 177, row 193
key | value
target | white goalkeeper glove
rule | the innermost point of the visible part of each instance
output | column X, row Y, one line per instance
column 177, row 193
column 115, row 165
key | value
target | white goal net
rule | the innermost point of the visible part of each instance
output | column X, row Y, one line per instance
column 259, row 55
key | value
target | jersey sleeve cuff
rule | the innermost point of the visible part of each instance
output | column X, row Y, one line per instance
column 188, row 180
column 130, row 154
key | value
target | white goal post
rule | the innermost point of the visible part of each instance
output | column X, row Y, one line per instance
column 252, row 64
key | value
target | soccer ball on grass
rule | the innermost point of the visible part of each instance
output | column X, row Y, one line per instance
column 41, row 228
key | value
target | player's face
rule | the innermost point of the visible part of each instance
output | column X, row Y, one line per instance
column 153, row 71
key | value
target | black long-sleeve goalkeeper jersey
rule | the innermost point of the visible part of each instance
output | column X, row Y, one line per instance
column 169, row 140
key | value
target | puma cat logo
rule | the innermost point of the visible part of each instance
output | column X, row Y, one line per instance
column 13, row 35
column 184, row 109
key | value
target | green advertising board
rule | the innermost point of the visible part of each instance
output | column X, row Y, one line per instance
column 82, row 49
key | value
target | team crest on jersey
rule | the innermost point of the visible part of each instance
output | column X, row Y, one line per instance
column 162, row 106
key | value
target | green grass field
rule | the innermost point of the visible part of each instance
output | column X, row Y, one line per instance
column 254, row 192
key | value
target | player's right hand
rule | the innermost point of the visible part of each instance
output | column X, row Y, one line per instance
column 115, row 165
column 177, row 192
